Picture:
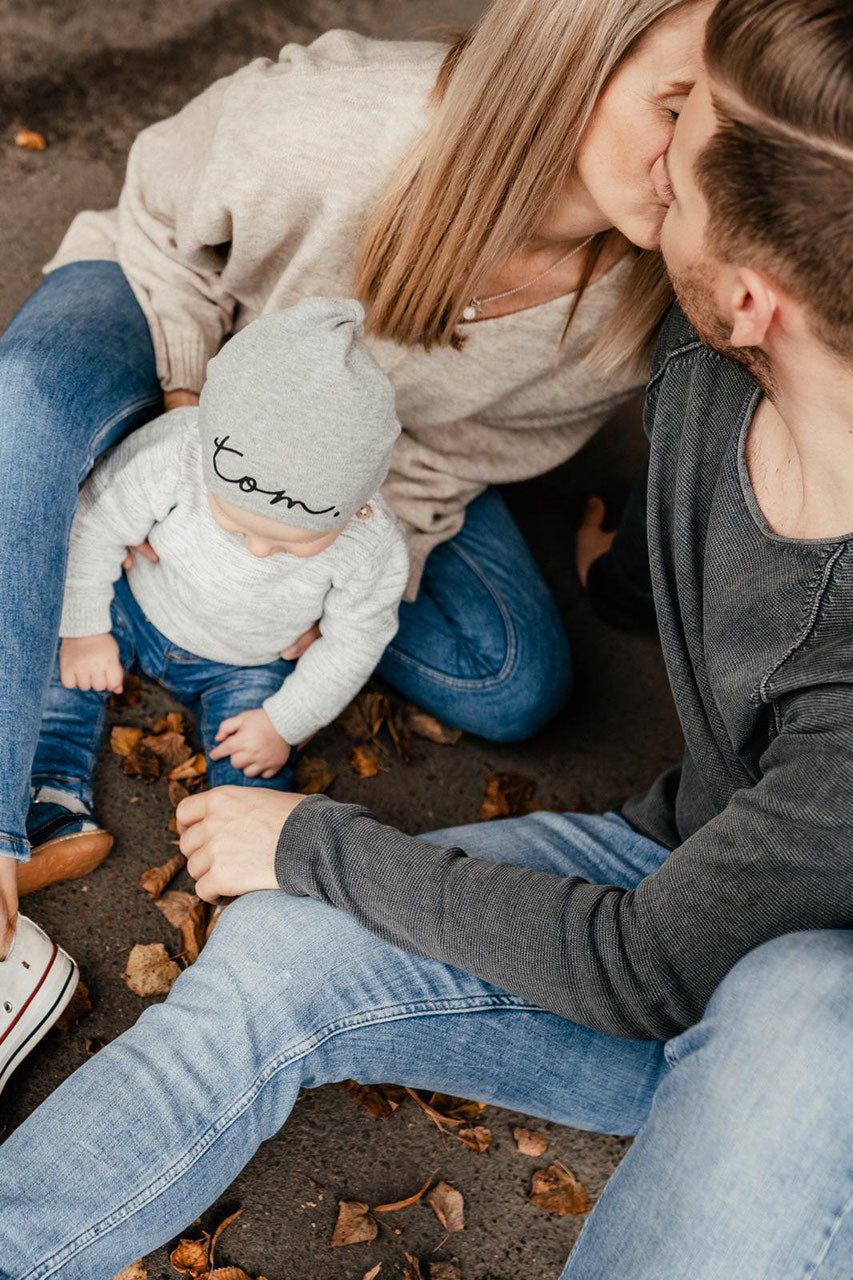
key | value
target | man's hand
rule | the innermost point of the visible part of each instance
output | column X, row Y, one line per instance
column 90, row 662
column 229, row 837
column 253, row 744
column 592, row 540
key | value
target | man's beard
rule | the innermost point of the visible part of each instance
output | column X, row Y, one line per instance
column 694, row 291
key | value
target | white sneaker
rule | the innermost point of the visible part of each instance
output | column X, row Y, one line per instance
column 37, row 979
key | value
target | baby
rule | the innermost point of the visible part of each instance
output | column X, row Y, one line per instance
column 262, row 505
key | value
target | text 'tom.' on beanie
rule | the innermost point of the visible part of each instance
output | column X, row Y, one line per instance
column 297, row 419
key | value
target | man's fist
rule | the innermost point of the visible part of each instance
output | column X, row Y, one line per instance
column 90, row 662
column 253, row 744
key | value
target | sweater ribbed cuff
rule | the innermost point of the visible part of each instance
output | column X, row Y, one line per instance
column 186, row 356
column 290, row 718
column 303, row 834
column 86, row 615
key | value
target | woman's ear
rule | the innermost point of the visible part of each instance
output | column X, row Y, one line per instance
column 753, row 304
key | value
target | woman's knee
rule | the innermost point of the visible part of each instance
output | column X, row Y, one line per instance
column 521, row 699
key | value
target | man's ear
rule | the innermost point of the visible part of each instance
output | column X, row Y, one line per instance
column 753, row 302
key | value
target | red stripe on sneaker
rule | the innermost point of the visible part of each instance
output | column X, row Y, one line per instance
column 32, row 995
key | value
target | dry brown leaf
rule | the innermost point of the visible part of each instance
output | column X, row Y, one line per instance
column 373, row 1272
column 453, row 1108
column 478, row 1138
column 557, row 1190
column 150, row 970
column 365, row 760
column 141, row 763
column 226, row 1222
column 136, row 1271
column 408, row 1202
column 381, row 1100
column 426, row 726
column 398, row 727
column 354, row 1224
column 30, row 140
column 172, row 748
column 445, row 1270
column 131, row 694
column 228, row 1273
column 530, row 1142
column 412, row 1268
column 507, row 796
column 444, row 1123
column 94, row 1046
column 448, row 1205
column 124, row 737
column 173, row 722
column 313, row 775
column 191, row 769
column 188, row 914
column 364, row 716
column 155, row 879
column 76, row 1009
column 189, row 1257
column 177, row 792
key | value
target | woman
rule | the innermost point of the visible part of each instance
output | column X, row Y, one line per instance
column 491, row 234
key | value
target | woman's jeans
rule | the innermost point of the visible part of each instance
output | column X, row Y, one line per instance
column 73, row 722
column 741, row 1169
column 481, row 647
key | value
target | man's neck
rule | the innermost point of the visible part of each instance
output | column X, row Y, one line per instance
column 800, row 447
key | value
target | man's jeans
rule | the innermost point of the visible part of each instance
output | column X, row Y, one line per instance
column 741, row 1169
column 482, row 646
column 73, row 721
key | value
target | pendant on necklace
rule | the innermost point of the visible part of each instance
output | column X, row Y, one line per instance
column 472, row 310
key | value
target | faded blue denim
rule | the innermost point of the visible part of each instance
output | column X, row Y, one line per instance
column 482, row 646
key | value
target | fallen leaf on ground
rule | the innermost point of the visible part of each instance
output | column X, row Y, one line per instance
column 557, row 1190
column 373, row 1272
column 507, row 796
column 478, row 1138
column 226, row 1222
column 136, row 1271
column 94, row 1046
column 364, row 716
column 170, row 747
column 444, row 1123
column 313, row 775
column 408, row 1202
column 155, row 879
column 365, row 760
column 398, row 727
column 354, row 1224
column 124, row 737
column 131, row 694
column 453, row 1108
column 228, row 1273
column 76, row 1009
column 30, row 140
column 189, row 1257
column 141, row 763
column 188, row 914
column 381, row 1100
column 448, row 1204
column 412, row 1268
column 150, row 970
column 173, row 721
column 190, row 770
column 445, row 1271
column 426, row 726
column 530, row 1142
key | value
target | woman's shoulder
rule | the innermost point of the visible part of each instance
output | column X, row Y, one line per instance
column 341, row 51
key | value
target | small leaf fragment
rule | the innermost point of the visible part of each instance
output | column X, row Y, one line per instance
column 530, row 1142
column 136, row 1271
column 427, row 726
column 556, row 1190
column 172, row 748
column 30, row 140
column 191, row 769
column 228, row 1273
column 226, row 1222
column 408, row 1202
column 313, row 775
column 476, row 1138
column 381, row 1100
column 507, row 796
column 150, row 970
column 131, row 694
column 76, row 1009
column 155, row 879
column 189, row 1257
column 365, row 760
column 354, row 1224
column 412, row 1268
column 124, row 737
column 188, row 914
column 448, row 1205
column 373, row 1272
column 453, row 1108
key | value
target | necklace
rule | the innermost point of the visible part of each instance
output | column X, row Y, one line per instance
column 475, row 306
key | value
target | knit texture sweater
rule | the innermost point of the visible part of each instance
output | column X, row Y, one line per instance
column 255, row 195
column 209, row 595
column 757, row 633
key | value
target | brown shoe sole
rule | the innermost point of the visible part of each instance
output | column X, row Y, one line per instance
column 66, row 858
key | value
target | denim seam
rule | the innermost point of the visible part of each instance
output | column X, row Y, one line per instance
column 126, row 411
column 418, row 1009
column 831, row 1234
column 808, row 624
column 483, row 682
column 19, row 843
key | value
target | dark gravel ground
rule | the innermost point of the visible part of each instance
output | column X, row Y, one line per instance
column 89, row 78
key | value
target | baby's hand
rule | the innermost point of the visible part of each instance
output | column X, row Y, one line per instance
column 252, row 743
column 90, row 662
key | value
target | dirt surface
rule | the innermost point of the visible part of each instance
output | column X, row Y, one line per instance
column 88, row 83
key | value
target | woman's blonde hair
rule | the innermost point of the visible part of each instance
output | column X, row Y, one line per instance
column 510, row 106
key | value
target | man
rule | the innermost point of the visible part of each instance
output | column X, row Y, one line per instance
column 683, row 970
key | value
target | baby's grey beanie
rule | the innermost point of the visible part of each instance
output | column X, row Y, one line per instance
column 297, row 419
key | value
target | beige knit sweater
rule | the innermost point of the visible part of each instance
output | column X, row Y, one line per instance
column 254, row 195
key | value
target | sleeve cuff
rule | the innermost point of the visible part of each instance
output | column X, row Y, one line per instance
column 290, row 719
column 88, row 616
column 309, row 828
column 187, row 354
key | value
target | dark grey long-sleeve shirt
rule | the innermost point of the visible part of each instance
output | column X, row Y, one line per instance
column 757, row 631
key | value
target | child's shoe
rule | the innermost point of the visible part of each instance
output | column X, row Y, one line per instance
column 66, row 841
column 37, row 979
